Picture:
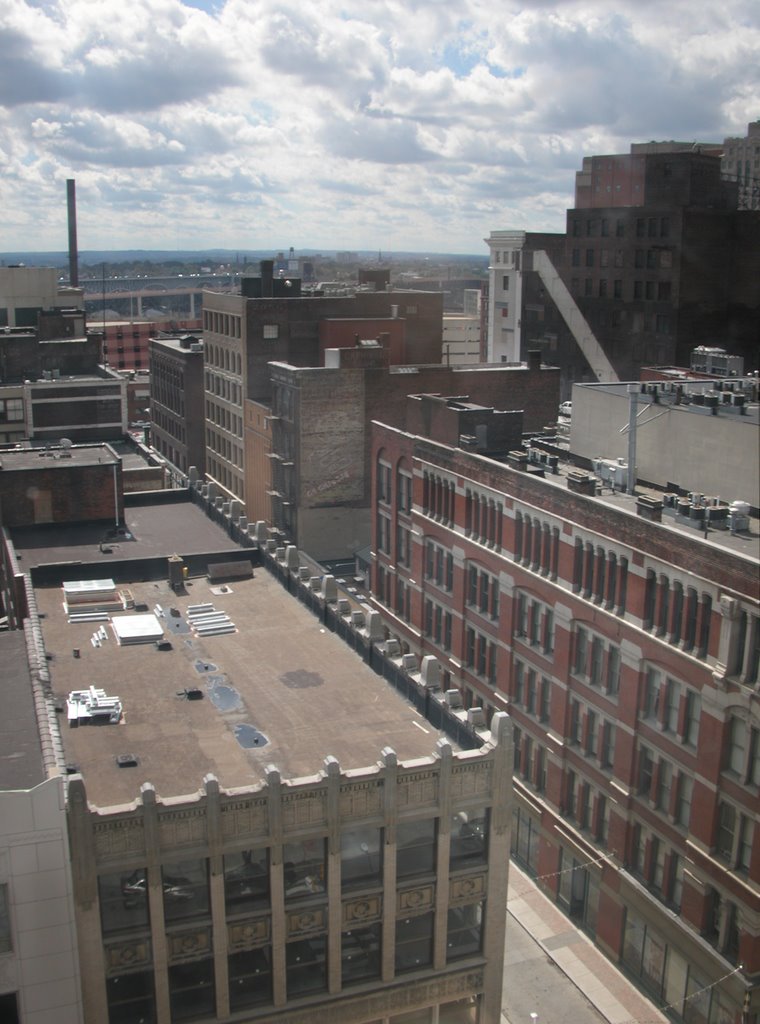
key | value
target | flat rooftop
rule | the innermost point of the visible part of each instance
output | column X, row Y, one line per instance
column 21, row 765
column 150, row 531
column 56, row 457
column 282, row 676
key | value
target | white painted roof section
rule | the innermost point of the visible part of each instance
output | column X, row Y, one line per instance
column 137, row 629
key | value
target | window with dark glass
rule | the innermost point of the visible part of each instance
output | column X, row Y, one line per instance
column 360, row 953
column 464, row 933
column 469, row 838
column 414, row 942
column 191, row 990
column 246, row 880
column 185, row 889
column 304, row 869
column 415, row 848
column 131, row 998
column 250, row 978
column 123, row 901
column 361, row 857
column 306, row 965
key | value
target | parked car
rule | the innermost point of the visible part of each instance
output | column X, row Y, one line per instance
column 566, row 409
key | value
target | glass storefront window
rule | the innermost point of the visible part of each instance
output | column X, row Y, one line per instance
column 469, row 838
column 246, row 880
column 361, row 858
column 250, row 976
column 414, row 942
column 415, row 848
column 465, row 931
column 185, row 886
column 304, row 868
column 306, row 965
column 191, row 990
column 131, row 998
column 360, row 953
column 123, row 901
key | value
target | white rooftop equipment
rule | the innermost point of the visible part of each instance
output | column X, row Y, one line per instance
column 137, row 629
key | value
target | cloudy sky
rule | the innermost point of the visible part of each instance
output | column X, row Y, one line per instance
column 385, row 124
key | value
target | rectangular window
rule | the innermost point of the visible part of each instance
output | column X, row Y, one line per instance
column 360, row 953
column 589, row 257
column 306, row 966
column 505, row 282
column 683, row 799
column 5, row 921
column 270, row 332
column 581, row 651
column 246, row 880
column 191, row 990
column 724, row 839
column 185, row 885
column 415, row 848
column 608, row 745
column 250, row 977
column 304, row 869
column 469, row 838
column 414, row 942
column 613, row 670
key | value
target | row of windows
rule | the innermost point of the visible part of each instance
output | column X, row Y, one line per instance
column 224, row 418
column 596, row 661
column 483, row 592
column 536, row 544
column 587, row 806
column 667, row 790
column 403, row 487
column 483, row 519
column 657, row 865
column 651, row 226
column 601, row 576
column 192, row 992
column 592, row 732
column 679, row 616
column 221, row 323
column 438, row 495
column 481, row 655
column 534, row 623
column 185, row 885
column 225, row 388
column 673, row 706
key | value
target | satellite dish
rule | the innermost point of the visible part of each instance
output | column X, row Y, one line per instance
column 66, row 443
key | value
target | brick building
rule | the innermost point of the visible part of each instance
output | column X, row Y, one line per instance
column 271, row 322
column 626, row 651
column 321, row 431
column 656, row 259
column 176, row 402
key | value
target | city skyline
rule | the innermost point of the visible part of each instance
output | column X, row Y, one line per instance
column 409, row 127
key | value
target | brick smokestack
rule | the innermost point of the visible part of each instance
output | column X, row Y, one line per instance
column 71, row 196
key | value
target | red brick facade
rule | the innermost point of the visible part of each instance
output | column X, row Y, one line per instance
column 627, row 655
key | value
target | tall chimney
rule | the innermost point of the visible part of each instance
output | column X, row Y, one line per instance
column 71, row 196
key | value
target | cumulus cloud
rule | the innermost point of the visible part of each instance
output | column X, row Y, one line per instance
column 403, row 124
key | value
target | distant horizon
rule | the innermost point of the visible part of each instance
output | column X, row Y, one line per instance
column 36, row 255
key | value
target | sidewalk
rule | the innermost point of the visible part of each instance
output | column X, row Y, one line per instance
column 591, row 972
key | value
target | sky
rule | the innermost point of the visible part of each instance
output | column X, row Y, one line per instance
column 417, row 125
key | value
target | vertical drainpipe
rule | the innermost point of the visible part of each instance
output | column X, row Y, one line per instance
column 633, row 401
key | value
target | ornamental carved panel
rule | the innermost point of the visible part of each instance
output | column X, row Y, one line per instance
column 122, row 955
column 471, row 780
column 300, row 809
column 466, row 890
column 244, row 817
column 118, row 838
column 364, row 911
column 188, row 945
column 182, row 828
column 415, row 900
column 248, row 934
column 418, row 789
column 361, row 799
column 307, row 922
